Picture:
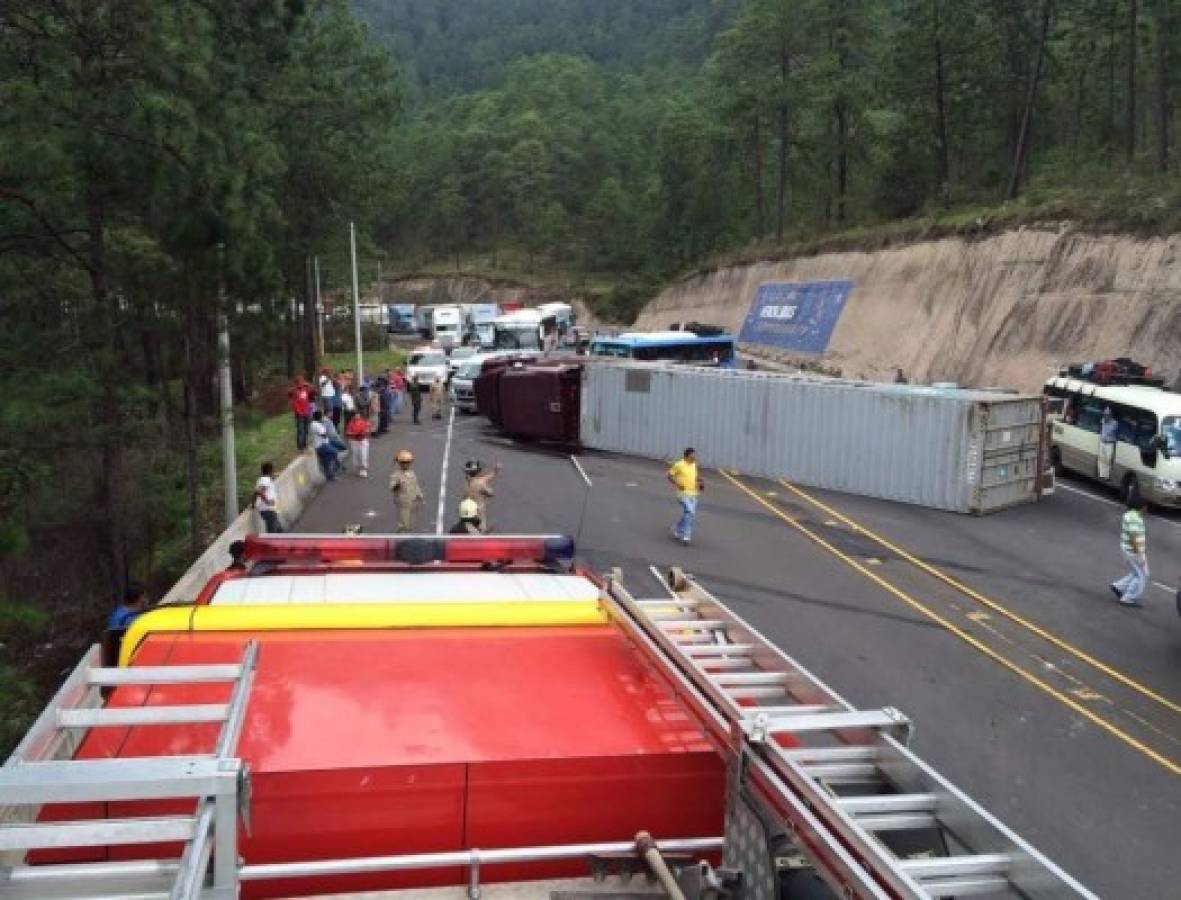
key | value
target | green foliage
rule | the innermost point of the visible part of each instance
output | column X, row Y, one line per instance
column 568, row 132
column 21, row 620
column 452, row 46
column 156, row 158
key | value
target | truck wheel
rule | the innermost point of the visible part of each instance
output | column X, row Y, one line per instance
column 1130, row 490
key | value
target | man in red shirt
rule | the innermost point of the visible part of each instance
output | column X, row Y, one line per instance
column 357, row 431
column 301, row 408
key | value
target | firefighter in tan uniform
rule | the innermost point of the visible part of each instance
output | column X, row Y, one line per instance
column 479, row 487
column 408, row 496
column 438, row 393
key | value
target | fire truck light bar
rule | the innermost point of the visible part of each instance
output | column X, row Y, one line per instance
column 410, row 550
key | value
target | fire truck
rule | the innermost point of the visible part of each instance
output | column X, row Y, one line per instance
column 476, row 717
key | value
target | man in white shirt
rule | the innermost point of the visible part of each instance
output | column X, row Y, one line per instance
column 266, row 499
column 327, row 391
column 325, row 452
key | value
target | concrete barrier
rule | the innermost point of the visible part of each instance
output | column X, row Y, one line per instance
column 296, row 486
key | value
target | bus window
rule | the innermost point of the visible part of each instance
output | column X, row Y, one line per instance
column 1171, row 432
column 1089, row 415
column 1145, row 429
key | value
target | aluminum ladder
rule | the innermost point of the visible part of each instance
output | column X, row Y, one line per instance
column 872, row 818
column 42, row 771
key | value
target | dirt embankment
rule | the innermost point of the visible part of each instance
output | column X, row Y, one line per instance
column 1004, row 310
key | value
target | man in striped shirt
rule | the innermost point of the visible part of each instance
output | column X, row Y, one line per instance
column 1133, row 542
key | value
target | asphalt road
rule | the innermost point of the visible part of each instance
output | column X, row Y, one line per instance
column 1057, row 709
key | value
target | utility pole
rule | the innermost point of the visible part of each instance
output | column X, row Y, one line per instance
column 319, row 306
column 229, row 462
column 356, row 301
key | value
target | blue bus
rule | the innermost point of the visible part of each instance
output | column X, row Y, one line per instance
column 669, row 346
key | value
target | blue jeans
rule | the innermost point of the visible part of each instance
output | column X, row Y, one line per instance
column 301, row 431
column 270, row 519
column 684, row 527
column 1133, row 585
column 329, row 464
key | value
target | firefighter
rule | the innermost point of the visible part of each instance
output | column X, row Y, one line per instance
column 469, row 518
column 437, row 395
column 479, row 487
column 408, row 496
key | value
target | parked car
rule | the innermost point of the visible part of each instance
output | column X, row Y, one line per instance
column 427, row 364
column 457, row 358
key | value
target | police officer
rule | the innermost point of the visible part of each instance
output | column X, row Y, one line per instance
column 408, row 496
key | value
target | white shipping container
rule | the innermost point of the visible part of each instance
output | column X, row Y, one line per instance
column 960, row 450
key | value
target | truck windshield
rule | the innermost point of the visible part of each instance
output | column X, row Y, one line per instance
column 523, row 337
column 428, row 359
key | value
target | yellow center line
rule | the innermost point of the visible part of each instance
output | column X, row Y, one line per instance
column 973, row 594
column 1065, row 700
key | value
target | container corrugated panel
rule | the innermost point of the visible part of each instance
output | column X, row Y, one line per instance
column 967, row 451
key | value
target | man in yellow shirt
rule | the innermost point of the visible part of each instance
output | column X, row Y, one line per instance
column 683, row 476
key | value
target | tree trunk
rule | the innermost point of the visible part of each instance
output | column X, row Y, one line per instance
column 841, row 110
column 1133, row 46
column 290, row 317
column 309, row 323
column 1112, row 29
column 782, row 192
column 760, row 200
column 1030, row 101
column 942, row 166
column 111, row 456
column 1160, row 89
column 842, row 159
column 192, row 471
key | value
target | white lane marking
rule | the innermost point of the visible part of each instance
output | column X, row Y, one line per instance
column 1110, row 502
column 1163, row 587
column 443, row 475
column 581, row 470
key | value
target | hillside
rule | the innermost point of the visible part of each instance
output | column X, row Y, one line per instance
column 1003, row 310
column 454, row 46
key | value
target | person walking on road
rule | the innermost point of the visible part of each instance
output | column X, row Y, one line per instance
column 1108, row 438
column 266, row 499
column 479, row 488
column 357, row 432
column 1133, row 543
column 408, row 496
column 385, row 405
column 415, row 392
column 301, row 409
column 325, row 451
column 469, row 518
column 437, row 395
column 683, row 476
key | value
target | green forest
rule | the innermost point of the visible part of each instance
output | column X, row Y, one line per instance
column 647, row 139
column 165, row 164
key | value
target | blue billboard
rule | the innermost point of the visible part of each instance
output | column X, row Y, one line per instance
column 798, row 317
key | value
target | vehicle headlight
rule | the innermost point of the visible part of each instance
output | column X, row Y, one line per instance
column 1164, row 484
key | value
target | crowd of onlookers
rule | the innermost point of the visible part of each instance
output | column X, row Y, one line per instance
column 339, row 415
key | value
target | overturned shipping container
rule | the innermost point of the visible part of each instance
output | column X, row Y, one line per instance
column 960, row 450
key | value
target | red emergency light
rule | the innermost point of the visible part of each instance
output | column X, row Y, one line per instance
column 278, row 550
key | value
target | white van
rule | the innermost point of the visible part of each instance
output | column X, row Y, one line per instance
column 1148, row 453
